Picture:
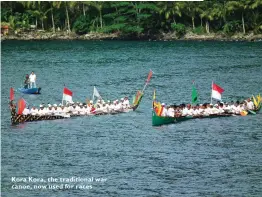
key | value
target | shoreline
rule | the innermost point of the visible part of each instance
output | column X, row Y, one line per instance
column 30, row 36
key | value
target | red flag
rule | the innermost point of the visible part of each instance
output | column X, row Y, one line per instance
column 149, row 76
column 12, row 94
column 21, row 106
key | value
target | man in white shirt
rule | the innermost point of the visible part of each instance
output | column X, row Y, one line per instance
column 126, row 103
column 32, row 79
column 250, row 104
column 49, row 111
column 164, row 111
column 34, row 111
column 41, row 111
column 171, row 111
column 26, row 111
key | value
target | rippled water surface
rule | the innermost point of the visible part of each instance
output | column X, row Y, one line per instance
column 209, row 157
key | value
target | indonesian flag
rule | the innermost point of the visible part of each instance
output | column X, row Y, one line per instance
column 67, row 95
column 216, row 91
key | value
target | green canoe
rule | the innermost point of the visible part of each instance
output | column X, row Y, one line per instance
column 160, row 120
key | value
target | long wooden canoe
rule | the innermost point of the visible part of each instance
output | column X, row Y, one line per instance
column 160, row 120
column 19, row 118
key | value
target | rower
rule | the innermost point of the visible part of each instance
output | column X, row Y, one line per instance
column 221, row 108
column 126, row 103
column 236, row 108
column 26, row 111
column 82, row 110
column 49, row 110
column 207, row 110
column 250, row 104
column 87, row 109
column 59, row 109
column 111, row 107
column 195, row 110
column 117, row 107
column 171, row 111
column 164, row 110
column 41, row 111
column 33, row 111
column 55, row 110
column 189, row 110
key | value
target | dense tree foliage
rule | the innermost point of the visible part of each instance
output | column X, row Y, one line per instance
column 135, row 18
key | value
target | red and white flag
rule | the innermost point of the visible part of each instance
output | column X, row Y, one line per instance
column 67, row 95
column 216, row 91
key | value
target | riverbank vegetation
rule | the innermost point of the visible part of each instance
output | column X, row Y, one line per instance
column 134, row 19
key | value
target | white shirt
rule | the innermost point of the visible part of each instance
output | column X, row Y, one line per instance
column 196, row 112
column 185, row 112
column 49, row 111
column 164, row 112
column 41, row 112
column 171, row 112
column 221, row 110
column 26, row 111
column 207, row 111
column 126, row 104
column 32, row 78
column 250, row 105
column 33, row 111
column 190, row 112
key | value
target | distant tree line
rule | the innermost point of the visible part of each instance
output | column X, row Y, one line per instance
column 135, row 18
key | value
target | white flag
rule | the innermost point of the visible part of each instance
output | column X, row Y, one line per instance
column 96, row 94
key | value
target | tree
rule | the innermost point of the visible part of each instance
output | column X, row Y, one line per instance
column 239, row 6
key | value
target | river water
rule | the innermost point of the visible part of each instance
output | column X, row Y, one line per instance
column 209, row 157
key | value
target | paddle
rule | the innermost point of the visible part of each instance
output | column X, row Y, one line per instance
column 252, row 112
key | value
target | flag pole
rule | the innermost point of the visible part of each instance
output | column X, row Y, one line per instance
column 144, row 87
column 211, row 92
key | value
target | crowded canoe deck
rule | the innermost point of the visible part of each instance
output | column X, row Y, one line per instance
column 163, row 114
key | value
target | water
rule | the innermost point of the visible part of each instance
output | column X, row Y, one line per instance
column 216, row 157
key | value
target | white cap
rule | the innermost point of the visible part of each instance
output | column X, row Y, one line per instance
column 122, row 99
column 49, row 105
column 55, row 105
column 81, row 104
column 41, row 105
column 60, row 104
column 108, row 101
column 163, row 104
column 91, row 101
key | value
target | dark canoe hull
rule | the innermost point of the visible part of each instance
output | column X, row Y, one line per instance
column 158, row 120
column 17, row 118
column 30, row 90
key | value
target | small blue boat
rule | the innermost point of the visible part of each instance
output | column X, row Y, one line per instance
column 30, row 90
